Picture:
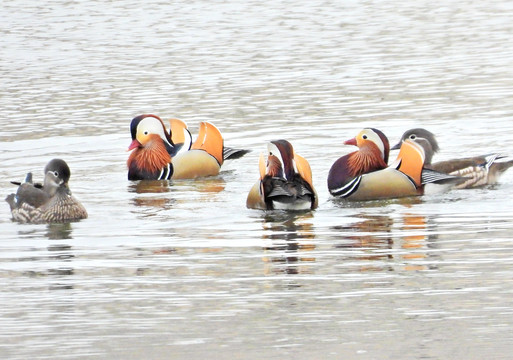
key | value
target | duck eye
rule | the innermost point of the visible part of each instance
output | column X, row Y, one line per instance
column 145, row 133
column 364, row 137
column 413, row 136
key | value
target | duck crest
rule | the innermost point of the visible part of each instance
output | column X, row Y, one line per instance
column 152, row 158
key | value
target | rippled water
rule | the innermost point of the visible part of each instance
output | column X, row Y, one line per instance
column 184, row 270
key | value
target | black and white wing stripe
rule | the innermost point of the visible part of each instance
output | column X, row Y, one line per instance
column 165, row 173
column 347, row 189
column 431, row 176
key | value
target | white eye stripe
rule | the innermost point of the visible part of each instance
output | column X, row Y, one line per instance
column 273, row 150
column 374, row 137
column 151, row 125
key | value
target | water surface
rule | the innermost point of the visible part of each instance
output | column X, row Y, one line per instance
column 183, row 269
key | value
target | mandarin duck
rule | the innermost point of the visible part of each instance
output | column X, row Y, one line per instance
column 285, row 181
column 50, row 202
column 365, row 175
column 159, row 154
column 478, row 170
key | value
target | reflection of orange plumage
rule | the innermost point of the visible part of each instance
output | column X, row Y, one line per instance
column 412, row 242
column 415, row 222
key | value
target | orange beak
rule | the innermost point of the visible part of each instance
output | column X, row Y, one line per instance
column 134, row 144
column 350, row 142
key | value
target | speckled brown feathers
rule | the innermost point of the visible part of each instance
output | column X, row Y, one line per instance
column 478, row 170
column 50, row 203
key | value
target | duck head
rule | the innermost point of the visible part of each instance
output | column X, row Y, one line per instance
column 280, row 160
column 424, row 138
column 372, row 154
column 371, row 140
column 147, row 130
column 57, row 174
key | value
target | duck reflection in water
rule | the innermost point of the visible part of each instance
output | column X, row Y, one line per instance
column 378, row 236
column 145, row 189
column 290, row 237
column 373, row 236
column 63, row 254
column 416, row 243
column 59, row 255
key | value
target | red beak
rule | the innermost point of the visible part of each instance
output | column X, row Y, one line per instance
column 134, row 144
column 350, row 142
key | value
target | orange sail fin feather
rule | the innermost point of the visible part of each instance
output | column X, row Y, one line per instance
column 210, row 140
column 178, row 131
column 303, row 168
column 262, row 165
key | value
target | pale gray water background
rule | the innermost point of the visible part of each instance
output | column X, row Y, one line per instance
column 186, row 271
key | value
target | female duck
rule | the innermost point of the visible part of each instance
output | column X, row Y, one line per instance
column 51, row 202
column 478, row 170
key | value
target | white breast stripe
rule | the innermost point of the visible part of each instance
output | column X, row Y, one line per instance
column 165, row 175
column 347, row 189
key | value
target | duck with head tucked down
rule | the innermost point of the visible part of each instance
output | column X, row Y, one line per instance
column 365, row 175
column 51, row 202
column 285, row 181
column 159, row 154
column 478, row 170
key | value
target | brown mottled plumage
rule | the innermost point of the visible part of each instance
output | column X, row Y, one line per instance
column 51, row 203
column 478, row 170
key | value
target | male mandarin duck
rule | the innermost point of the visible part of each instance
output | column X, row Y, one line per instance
column 364, row 174
column 285, row 181
column 161, row 155
column 51, row 202
column 478, row 170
